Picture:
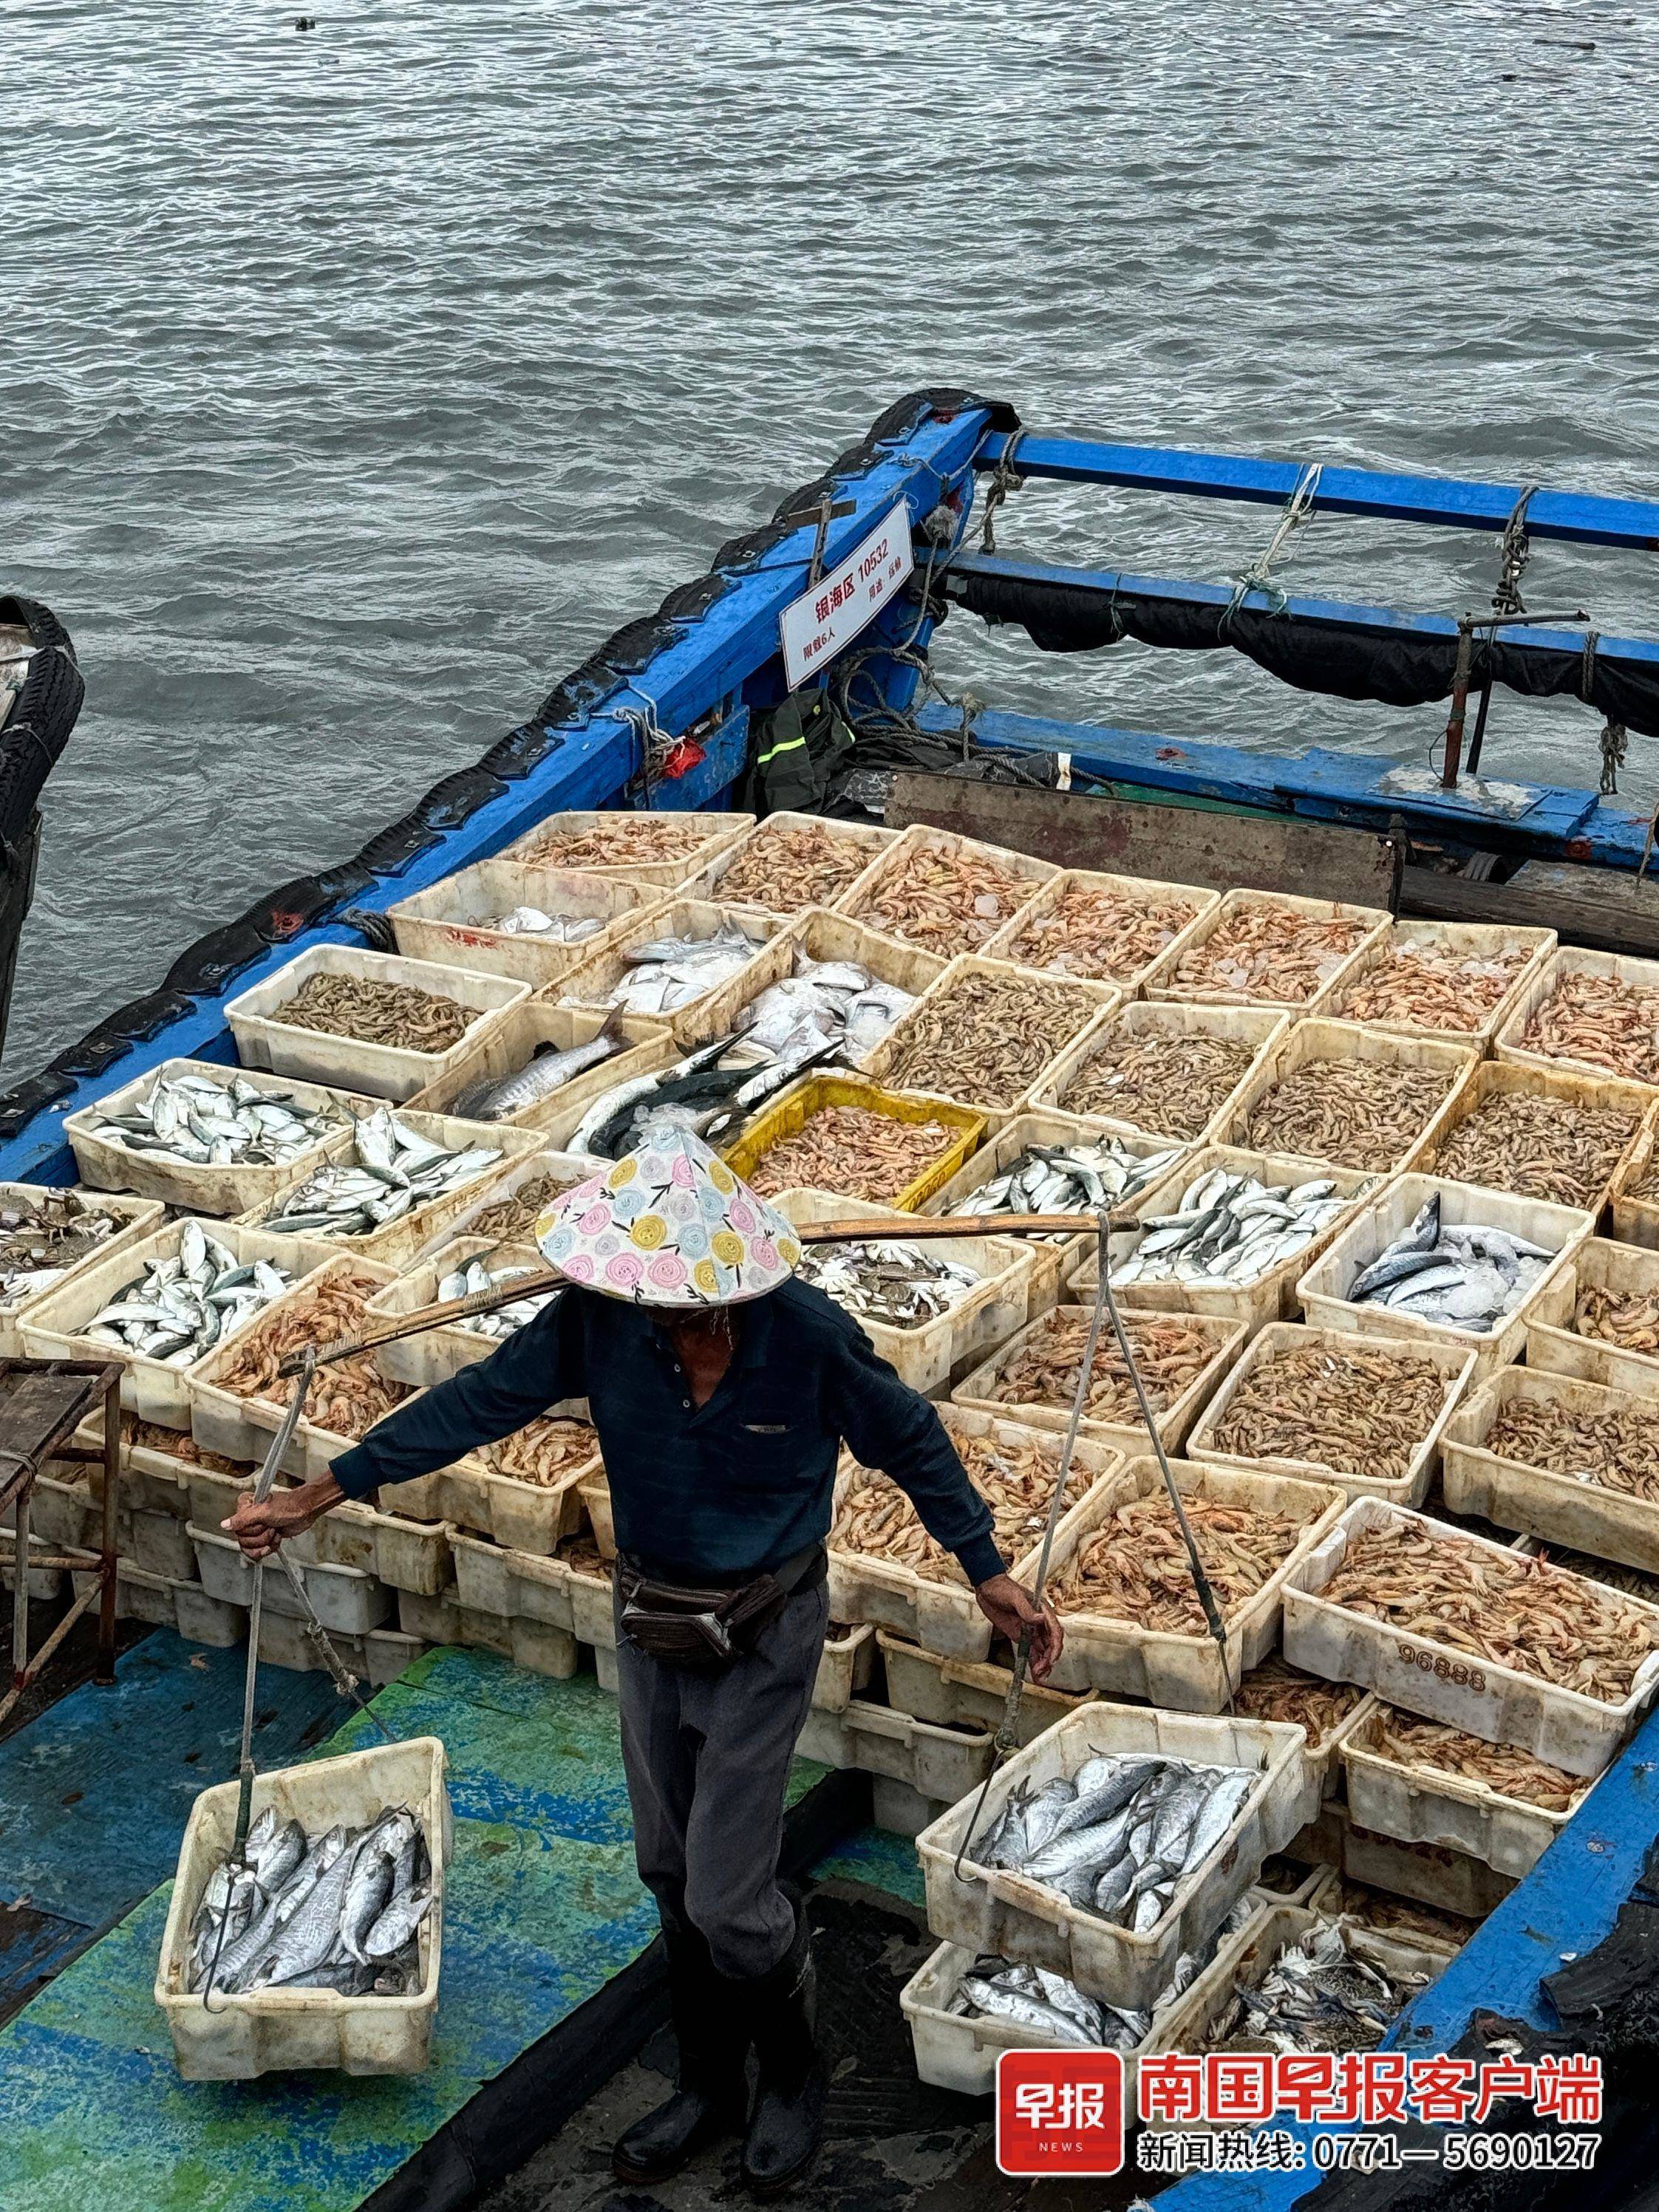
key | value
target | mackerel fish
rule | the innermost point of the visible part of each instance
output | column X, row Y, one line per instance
column 396, row 1170
column 338, row 1911
column 1079, row 1178
column 1458, row 1275
column 1230, row 1229
column 480, row 1274
column 1048, row 2006
column 184, row 1303
column 234, row 1124
column 1120, row 1836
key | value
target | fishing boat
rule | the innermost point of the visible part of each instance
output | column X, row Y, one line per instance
column 797, row 672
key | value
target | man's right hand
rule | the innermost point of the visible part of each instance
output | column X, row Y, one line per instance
column 260, row 1528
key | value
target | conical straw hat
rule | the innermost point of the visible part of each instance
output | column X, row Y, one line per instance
column 669, row 1226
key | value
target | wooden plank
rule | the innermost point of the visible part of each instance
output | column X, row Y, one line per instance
column 38, row 1409
column 1167, row 844
column 1608, row 911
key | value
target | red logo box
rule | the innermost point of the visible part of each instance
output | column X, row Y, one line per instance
column 1059, row 2112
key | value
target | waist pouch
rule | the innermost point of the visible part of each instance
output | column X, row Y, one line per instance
column 684, row 1626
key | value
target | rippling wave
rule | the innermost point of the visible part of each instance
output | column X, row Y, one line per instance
column 359, row 381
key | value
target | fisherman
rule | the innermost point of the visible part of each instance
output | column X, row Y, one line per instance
column 722, row 1391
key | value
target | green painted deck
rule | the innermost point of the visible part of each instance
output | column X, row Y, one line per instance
column 543, row 1907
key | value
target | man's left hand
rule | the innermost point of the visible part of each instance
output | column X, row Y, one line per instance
column 1012, row 1610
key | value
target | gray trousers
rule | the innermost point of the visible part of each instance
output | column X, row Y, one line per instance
column 707, row 1757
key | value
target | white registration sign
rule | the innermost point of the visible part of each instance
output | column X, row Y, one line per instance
column 846, row 597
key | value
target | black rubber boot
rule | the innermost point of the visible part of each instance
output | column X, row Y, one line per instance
column 711, row 2092
column 787, row 2121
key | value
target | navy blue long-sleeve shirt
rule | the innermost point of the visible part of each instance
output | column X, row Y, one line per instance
column 733, row 1487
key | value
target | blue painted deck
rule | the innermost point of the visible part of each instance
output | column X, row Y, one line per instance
column 544, row 1905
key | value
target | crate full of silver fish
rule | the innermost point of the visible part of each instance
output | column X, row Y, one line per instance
column 965, row 2011
column 930, row 1309
column 210, row 1139
column 1424, row 1257
column 461, row 1269
column 1119, row 1839
column 360, row 1905
column 165, row 1302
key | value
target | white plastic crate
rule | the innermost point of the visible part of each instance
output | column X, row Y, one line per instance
column 1411, row 1487
column 522, row 1586
column 534, row 1645
column 53, row 1325
column 847, row 1666
column 1004, row 1913
column 1272, row 1296
column 396, row 1243
column 942, row 1616
column 1188, row 2023
column 1553, row 1340
column 940, row 1762
column 864, row 843
column 193, row 1185
column 1386, row 1216
column 178, row 1603
column 1383, row 1049
column 1567, row 960
column 524, row 1516
column 408, row 1554
column 689, row 841
column 344, row 1597
column 1224, row 1339
column 1420, row 1804
column 1565, row 1087
column 239, row 1427
column 449, row 922
column 1447, row 940
column 711, row 1013
column 1572, row 1509
column 1029, row 874
column 1052, row 1258
column 1139, row 1021
column 1563, row 1728
column 927, row 1356
column 954, row 2052
column 1164, row 980
column 1086, row 1003
column 435, row 1354
column 1122, row 1658
column 265, row 1039
column 962, row 1692
column 1023, row 940
column 274, row 2029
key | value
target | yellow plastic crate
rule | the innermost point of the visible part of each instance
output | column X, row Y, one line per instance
column 790, row 1114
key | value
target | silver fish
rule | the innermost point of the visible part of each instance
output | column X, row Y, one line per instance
column 368, row 1894
column 898, row 1284
column 397, row 1170
column 479, row 1275
column 1122, row 1849
column 667, row 973
column 229, row 1124
column 1080, row 1178
column 1226, row 1229
column 182, row 1305
column 498, row 1098
column 1466, row 1275
column 552, row 928
column 397, row 1922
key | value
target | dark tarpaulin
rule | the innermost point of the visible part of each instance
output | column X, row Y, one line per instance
column 1346, row 661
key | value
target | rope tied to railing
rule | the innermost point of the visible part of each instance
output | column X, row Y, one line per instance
column 1298, row 509
column 1003, row 478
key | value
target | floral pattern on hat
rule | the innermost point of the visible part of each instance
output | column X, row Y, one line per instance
column 669, row 1225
